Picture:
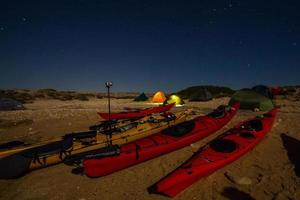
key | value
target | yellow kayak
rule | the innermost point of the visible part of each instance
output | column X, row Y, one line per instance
column 19, row 161
column 17, row 146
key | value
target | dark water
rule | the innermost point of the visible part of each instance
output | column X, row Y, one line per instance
column 292, row 147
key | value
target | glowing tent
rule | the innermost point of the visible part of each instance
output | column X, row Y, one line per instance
column 159, row 97
column 174, row 99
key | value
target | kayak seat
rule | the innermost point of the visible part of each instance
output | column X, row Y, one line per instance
column 49, row 149
column 180, row 129
column 11, row 144
column 223, row 107
column 81, row 135
column 254, row 124
column 219, row 112
column 223, row 145
column 247, row 135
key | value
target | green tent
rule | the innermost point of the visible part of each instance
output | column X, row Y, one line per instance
column 141, row 97
column 174, row 99
column 250, row 100
column 202, row 94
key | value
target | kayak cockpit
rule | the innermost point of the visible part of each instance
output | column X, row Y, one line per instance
column 223, row 145
column 220, row 112
column 253, row 125
column 180, row 129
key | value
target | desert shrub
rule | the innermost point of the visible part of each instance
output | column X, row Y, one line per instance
column 81, row 97
column 22, row 97
column 48, row 93
column 291, row 90
column 64, row 96
column 89, row 95
column 47, row 90
column 99, row 96
column 124, row 97
column 39, row 95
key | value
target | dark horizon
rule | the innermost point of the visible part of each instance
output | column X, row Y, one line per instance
column 148, row 46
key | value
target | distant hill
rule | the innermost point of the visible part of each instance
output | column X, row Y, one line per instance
column 215, row 91
column 28, row 96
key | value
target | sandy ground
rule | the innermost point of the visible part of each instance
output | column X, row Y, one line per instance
column 268, row 172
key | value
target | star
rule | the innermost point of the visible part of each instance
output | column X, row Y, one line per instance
column 294, row 44
column 229, row 4
column 1, row 28
column 24, row 19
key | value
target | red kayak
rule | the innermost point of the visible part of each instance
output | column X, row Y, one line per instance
column 220, row 152
column 171, row 139
column 134, row 114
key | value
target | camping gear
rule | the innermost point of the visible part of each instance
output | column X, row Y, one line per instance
column 251, row 100
column 171, row 139
column 141, row 97
column 220, row 152
column 134, row 114
column 174, row 99
column 263, row 90
column 20, row 161
column 159, row 97
column 16, row 146
column 10, row 104
column 201, row 94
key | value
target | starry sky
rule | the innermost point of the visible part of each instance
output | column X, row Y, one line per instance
column 148, row 45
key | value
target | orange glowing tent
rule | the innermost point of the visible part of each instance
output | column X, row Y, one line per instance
column 159, row 97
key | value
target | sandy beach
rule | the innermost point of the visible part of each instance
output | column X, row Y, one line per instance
column 268, row 172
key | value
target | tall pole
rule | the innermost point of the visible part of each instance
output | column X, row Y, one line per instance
column 108, row 92
column 108, row 84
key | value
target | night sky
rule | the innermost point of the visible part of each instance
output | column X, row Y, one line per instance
column 148, row 45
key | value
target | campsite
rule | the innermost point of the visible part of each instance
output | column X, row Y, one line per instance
column 149, row 100
column 251, row 177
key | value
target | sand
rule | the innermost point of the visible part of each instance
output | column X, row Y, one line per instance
column 270, row 171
